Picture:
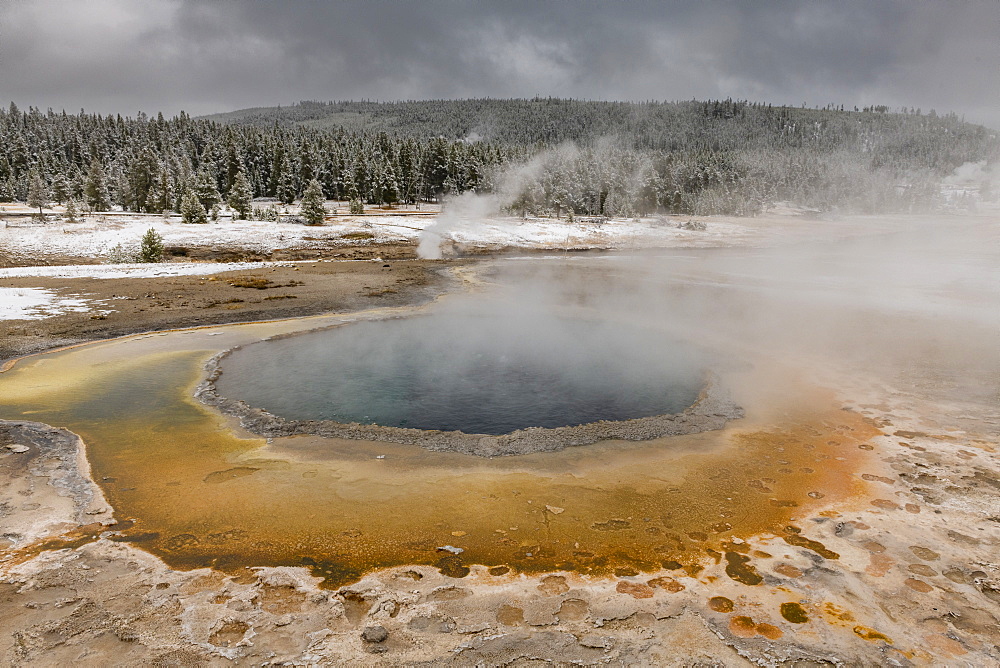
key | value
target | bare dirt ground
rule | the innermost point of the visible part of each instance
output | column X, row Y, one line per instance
column 119, row 306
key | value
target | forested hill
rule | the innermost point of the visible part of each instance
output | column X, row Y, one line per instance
column 542, row 156
column 715, row 156
column 673, row 126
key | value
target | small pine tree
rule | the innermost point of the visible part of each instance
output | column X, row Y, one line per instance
column 191, row 209
column 311, row 207
column 357, row 207
column 36, row 192
column 71, row 211
column 151, row 247
column 241, row 196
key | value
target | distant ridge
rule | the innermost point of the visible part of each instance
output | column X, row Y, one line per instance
column 656, row 125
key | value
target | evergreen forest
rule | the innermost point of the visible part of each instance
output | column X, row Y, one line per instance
column 541, row 156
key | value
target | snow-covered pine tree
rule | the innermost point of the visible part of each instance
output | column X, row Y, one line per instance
column 37, row 192
column 96, row 187
column 7, row 189
column 151, row 247
column 71, row 211
column 60, row 188
column 286, row 183
column 311, row 207
column 205, row 188
column 161, row 198
column 191, row 209
column 241, row 196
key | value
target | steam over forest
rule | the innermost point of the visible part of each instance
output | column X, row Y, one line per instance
column 543, row 156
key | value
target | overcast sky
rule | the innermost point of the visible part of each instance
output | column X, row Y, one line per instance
column 123, row 56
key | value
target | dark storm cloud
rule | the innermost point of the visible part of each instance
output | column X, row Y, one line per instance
column 123, row 56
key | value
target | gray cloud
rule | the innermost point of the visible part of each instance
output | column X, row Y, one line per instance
column 123, row 56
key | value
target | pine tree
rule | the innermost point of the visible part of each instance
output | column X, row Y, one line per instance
column 140, row 181
column 241, row 196
column 234, row 165
column 277, row 162
column 286, row 183
column 151, row 247
column 192, row 210
column 311, row 207
column 36, row 192
column 162, row 196
column 96, row 188
column 71, row 211
column 60, row 188
column 7, row 189
column 205, row 188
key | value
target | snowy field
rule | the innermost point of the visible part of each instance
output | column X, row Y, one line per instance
column 138, row 270
column 46, row 247
column 97, row 235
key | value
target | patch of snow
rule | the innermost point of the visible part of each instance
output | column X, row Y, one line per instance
column 36, row 303
column 137, row 270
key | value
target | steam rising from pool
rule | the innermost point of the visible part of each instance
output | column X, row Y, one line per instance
column 478, row 374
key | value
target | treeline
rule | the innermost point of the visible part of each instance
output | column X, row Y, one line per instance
column 148, row 165
column 709, row 157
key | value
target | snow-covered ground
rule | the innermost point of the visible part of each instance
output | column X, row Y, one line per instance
column 97, row 235
column 37, row 303
column 136, row 270
column 614, row 233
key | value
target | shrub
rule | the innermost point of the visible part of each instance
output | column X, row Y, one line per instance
column 694, row 226
column 121, row 255
column 255, row 282
column 267, row 213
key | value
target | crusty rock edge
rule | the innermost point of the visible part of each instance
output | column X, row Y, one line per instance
column 60, row 456
column 713, row 409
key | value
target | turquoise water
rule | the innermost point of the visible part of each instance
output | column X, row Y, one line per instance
column 472, row 373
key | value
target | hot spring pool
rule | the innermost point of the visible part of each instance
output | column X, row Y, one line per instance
column 472, row 373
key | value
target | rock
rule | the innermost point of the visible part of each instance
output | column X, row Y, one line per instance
column 18, row 448
column 451, row 548
column 634, row 589
column 374, row 634
column 597, row 642
column 555, row 510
